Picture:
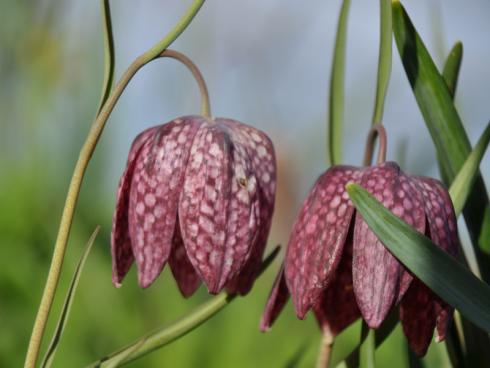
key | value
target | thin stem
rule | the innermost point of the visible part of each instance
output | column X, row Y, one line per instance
column 169, row 333
column 377, row 131
column 325, row 351
column 384, row 61
column 77, row 178
column 205, row 106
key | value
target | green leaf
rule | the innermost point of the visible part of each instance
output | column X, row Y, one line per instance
column 445, row 126
column 452, row 66
column 109, row 59
column 463, row 183
column 336, row 95
column 65, row 311
column 366, row 354
column 438, row 270
column 384, row 61
column 173, row 331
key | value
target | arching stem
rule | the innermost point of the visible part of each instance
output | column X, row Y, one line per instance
column 377, row 131
column 205, row 105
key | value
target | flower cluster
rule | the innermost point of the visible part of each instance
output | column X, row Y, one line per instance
column 198, row 193
column 337, row 266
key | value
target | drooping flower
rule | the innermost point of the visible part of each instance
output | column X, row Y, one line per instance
column 337, row 266
column 198, row 193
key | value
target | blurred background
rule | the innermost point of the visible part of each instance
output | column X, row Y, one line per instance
column 267, row 64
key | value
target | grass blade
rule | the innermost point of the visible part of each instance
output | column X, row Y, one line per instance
column 65, row 311
column 109, row 58
column 452, row 66
column 384, row 61
column 366, row 352
column 336, row 95
column 435, row 268
column 169, row 333
column 463, row 183
column 445, row 126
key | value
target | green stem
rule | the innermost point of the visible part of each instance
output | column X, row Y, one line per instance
column 325, row 351
column 384, row 62
column 77, row 178
column 167, row 334
column 109, row 59
column 336, row 95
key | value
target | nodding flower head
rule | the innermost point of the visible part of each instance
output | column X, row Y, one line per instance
column 198, row 193
column 337, row 266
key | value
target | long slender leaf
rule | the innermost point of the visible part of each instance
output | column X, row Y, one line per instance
column 109, row 57
column 366, row 352
column 173, row 331
column 336, row 95
column 65, row 311
column 438, row 270
column 384, row 61
column 445, row 126
column 463, row 183
column 452, row 66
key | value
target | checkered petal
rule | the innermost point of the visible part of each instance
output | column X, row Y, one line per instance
column 277, row 300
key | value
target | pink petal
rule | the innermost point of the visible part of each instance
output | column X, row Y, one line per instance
column 155, row 189
column 318, row 236
column 277, row 300
column 409, row 206
column 376, row 273
column 261, row 151
column 186, row 277
column 219, row 209
column 443, row 232
column 418, row 316
column 122, row 254
column 337, row 307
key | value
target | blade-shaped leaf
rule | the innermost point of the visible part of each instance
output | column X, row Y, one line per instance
column 173, row 331
column 438, row 270
column 463, row 183
column 452, row 66
column 384, row 61
column 65, row 311
column 336, row 96
column 109, row 59
column 366, row 353
column 445, row 126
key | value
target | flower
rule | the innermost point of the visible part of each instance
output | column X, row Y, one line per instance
column 198, row 193
column 337, row 266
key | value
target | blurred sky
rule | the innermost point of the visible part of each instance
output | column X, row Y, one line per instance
column 266, row 63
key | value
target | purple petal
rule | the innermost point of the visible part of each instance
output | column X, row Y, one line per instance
column 418, row 316
column 443, row 232
column 277, row 300
column 219, row 209
column 337, row 307
column 155, row 190
column 186, row 277
column 122, row 254
column 409, row 206
column 376, row 273
column 261, row 151
column 318, row 236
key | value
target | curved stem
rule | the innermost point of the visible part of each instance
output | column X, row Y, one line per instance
column 325, row 352
column 377, row 131
column 205, row 106
column 77, row 178
column 109, row 59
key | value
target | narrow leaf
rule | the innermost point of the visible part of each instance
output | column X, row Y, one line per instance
column 445, row 126
column 438, row 270
column 109, row 59
column 384, row 61
column 173, row 331
column 367, row 347
column 463, row 183
column 452, row 66
column 336, row 95
column 65, row 311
